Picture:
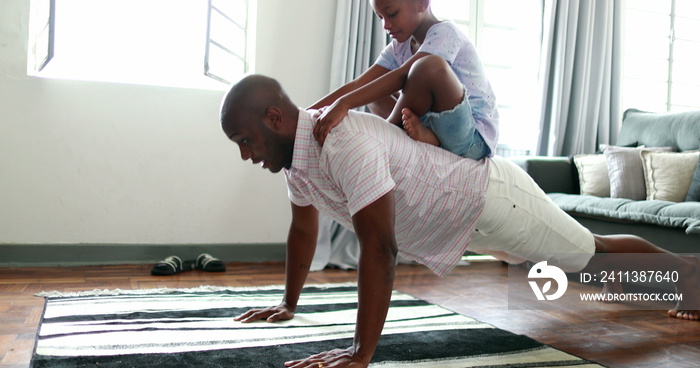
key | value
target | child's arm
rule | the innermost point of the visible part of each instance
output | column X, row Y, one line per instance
column 375, row 71
column 382, row 86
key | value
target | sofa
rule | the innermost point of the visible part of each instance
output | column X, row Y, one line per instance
column 647, row 183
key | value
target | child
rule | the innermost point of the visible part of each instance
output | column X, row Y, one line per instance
column 440, row 77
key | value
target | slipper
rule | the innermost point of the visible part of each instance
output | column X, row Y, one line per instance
column 206, row 262
column 171, row 266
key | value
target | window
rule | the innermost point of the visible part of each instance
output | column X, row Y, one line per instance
column 226, row 56
column 661, row 43
column 507, row 34
column 179, row 43
column 43, row 31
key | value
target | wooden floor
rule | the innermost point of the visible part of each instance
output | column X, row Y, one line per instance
column 607, row 335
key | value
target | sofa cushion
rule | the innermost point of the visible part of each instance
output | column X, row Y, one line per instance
column 668, row 174
column 694, row 190
column 625, row 170
column 683, row 215
column 593, row 174
column 680, row 130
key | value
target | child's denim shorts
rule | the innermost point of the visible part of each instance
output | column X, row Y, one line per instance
column 456, row 130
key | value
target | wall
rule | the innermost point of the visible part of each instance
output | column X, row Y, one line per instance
column 98, row 163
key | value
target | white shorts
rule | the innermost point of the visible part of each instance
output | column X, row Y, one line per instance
column 521, row 223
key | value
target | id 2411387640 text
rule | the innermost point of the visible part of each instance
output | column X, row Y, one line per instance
column 629, row 276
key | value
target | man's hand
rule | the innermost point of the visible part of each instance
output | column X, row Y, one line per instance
column 271, row 314
column 337, row 358
column 330, row 117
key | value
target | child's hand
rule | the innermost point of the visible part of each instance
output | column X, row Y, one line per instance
column 330, row 117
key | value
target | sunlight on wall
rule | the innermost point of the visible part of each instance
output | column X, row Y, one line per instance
column 154, row 42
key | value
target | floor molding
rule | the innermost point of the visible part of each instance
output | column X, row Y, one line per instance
column 52, row 255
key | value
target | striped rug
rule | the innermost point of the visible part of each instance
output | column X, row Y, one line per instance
column 194, row 328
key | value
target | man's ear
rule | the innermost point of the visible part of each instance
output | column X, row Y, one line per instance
column 273, row 118
column 423, row 5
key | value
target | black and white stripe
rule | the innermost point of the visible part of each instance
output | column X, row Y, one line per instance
column 173, row 327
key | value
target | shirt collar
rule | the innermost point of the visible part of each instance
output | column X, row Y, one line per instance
column 303, row 141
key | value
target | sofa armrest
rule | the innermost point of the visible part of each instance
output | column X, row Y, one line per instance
column 552, row 174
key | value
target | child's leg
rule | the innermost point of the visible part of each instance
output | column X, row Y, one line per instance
column 688, row 268
column 416, row 130
column 431, row 85
column 433, row 108
column 453, row 130
column 383, row 107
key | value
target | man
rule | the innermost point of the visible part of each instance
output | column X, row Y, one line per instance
column 408, row 198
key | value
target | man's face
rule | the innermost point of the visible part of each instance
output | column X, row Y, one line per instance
column 260, row 144
column 400, row 18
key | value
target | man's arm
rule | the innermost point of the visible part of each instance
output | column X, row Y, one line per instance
column 301, row 245
column 374, row 226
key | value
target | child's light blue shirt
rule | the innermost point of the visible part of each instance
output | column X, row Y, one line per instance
column 444, row 39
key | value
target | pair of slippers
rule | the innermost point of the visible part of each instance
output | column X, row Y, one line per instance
column 175, row 264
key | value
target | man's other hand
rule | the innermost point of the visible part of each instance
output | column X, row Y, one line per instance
column 271, row 314
column 337, row 358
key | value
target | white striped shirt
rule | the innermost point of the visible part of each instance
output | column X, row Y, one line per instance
column 438, row 195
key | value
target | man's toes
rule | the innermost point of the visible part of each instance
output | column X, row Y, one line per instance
column 674, row 313
column 684, row 314
column 691, row 315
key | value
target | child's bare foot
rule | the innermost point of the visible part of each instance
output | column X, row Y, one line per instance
column 412, row 125
column 689, row 288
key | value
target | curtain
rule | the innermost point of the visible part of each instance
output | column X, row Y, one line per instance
column 358, row 40
column 581, row 76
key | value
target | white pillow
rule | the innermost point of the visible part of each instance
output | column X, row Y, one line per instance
column 593, row 175
column 668, row 174
column 625, row 170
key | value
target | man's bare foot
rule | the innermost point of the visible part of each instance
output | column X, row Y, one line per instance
column 412, row 125
column 689, row 288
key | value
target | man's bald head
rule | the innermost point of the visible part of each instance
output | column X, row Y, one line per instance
column 250, row 98
column 259, row 117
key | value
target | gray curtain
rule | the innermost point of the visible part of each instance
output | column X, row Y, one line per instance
column 580, row 75
column 359, row 38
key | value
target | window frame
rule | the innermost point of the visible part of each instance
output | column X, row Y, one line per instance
column 211, row 41
column 670, row 58
column 479, row 29
column 40, row 27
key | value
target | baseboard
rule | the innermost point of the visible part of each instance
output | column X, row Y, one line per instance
column 52, row 255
